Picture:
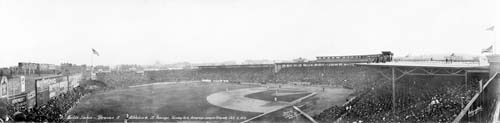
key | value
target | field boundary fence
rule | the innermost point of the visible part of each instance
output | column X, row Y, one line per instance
column 291, row 104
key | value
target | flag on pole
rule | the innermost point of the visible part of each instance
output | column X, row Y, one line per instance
column 95, row 52
column 492, row 28
column 487, row 50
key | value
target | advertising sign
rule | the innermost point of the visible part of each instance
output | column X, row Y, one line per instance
column 13, row 86
column 3, row 86
column 19, row 99
column 43, row 84
column 39, row 84
column 53, row 90
column 23, row 84
column 63, row 86
column 74, row 79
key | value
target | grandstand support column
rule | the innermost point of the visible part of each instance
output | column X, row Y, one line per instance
column 393, row 91
column 465, row 77
column 277, row 68
column 36, row 94
column 91, row 65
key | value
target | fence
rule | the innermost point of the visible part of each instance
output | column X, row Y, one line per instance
column 51, row 86
column 482, row 106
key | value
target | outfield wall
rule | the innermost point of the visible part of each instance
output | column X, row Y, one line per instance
column 51, row 86
column 20, row 90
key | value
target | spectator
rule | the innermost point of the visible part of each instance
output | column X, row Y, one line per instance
column 53, row 111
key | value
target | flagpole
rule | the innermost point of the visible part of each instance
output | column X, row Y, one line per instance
column 492, row 37
column 494, row 42
column 91, row 65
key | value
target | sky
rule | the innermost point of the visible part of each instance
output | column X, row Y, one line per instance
column 169, row 31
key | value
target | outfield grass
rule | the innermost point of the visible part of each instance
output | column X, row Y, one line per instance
column 173, row 101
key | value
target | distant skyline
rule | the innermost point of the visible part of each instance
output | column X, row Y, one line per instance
column 171, row 31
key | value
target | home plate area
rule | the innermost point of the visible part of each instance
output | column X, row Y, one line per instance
column 258, row 99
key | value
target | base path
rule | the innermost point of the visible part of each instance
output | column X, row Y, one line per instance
column 236, row 100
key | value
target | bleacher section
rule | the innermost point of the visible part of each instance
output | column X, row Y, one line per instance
column 242, row 74
column 171, row 75
column 122, row 79
column 348, row 76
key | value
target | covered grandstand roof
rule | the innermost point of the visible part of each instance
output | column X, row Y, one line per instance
column 465, row 65
column 239, row 66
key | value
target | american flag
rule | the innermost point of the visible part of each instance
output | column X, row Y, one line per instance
column 95, row 52
column 487, row 50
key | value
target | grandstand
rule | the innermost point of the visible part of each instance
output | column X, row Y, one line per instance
column 421, row 92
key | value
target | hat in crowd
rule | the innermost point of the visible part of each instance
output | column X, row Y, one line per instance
column 19, row 116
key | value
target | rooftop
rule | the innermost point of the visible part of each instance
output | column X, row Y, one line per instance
column 429, row 64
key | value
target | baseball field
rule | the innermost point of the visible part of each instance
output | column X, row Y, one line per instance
column 196, row 101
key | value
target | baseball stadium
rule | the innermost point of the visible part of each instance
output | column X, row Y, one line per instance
column 249, row 61
column 353, row 88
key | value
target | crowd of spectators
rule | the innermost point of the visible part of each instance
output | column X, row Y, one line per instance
column 418, row 99
column 241, row 74
column 122, row 79
column 347, row 76
column 171, row 75
column 53, row 110
column 330, row 114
